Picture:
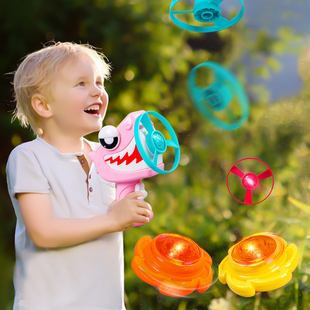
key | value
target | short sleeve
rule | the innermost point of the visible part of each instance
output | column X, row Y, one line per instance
column 24, row 173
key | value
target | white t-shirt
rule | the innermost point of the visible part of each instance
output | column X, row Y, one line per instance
column 88, row 276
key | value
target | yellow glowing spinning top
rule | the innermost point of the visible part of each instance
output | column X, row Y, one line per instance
column 259, row 263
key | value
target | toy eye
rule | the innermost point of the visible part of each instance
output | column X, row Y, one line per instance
column 109, row 137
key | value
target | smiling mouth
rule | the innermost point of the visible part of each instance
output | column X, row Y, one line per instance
column 94, row 109
column 93, row 112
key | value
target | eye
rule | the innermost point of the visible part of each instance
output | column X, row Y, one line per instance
column 81, row 84
column 109, row 137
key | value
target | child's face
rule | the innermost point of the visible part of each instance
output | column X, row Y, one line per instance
column 77, row 86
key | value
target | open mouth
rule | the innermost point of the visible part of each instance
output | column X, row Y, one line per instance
column 129, row 159
column 94, row 109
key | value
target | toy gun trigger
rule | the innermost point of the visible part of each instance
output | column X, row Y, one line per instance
column 140, row 187
column 123, row 189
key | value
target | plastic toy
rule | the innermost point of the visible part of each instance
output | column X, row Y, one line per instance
column 132, row 151
column 214, row 101
column 205, row 11
column 173, row 263
column 250, row 181
column 259, row 263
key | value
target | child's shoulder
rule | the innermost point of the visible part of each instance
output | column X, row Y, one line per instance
column 25, row 148
column 39, row 148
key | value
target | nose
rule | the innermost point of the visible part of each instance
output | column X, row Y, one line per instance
column 97, row 91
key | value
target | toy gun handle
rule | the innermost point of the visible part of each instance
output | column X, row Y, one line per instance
column 123, row 189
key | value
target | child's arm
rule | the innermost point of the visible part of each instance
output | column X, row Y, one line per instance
column 49, row 232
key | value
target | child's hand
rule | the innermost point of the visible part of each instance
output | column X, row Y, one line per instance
column 129, row 211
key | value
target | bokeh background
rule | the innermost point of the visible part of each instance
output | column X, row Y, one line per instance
column 151, row 58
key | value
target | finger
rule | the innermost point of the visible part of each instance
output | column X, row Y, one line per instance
column 143, row 204
column 144, row 212
column 142, row 219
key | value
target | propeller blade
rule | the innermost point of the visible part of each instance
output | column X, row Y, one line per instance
column 232, row 90
column 146, row 122
column 236, row 171
column 264, row 175
column 220, row 22
column 218, row 78
column 181, row 12
column 248, row 197
column 171, row 143
column 155, row 158
column 198, row 92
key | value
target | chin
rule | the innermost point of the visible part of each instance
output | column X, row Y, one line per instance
column 92, row 129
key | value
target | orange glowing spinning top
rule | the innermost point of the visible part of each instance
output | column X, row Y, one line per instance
column 261, row 262
column 173, row 263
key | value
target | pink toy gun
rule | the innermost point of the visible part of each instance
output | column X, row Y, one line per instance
column 132, row 151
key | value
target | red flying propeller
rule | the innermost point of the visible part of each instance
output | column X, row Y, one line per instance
column 250, row 181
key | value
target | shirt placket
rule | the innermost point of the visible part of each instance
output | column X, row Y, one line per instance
column 84, row 164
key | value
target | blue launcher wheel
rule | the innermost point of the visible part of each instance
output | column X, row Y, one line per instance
column 156, row 142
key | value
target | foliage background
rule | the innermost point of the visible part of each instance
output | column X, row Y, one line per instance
column 151, row 58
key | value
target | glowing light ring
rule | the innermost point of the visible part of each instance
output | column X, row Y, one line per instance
column 218, row 96
column 156, row 142
column 206, row 11
column 250, row 181
column 173, row 263
column 268, row 271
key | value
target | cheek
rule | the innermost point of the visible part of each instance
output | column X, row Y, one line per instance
column 105, row 98
column 77, row 102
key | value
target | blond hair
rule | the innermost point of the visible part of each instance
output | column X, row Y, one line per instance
column 37, row 71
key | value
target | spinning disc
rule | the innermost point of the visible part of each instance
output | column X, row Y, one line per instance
column 173, row 263
column 259, row 263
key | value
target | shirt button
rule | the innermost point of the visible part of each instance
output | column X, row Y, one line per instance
column 82, row 161
column 90, row 189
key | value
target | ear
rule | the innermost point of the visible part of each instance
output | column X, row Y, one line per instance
column 39, row 104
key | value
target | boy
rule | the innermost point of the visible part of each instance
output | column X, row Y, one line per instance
column 69, row 251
